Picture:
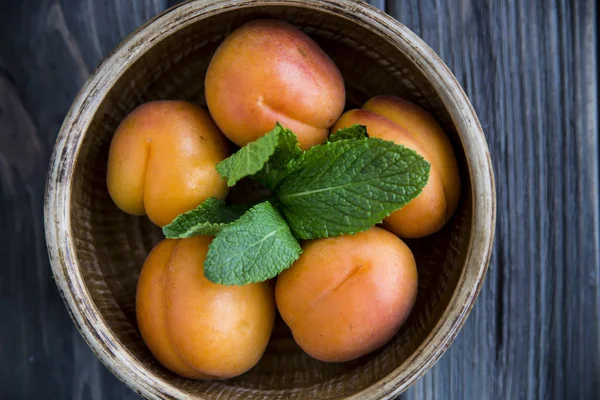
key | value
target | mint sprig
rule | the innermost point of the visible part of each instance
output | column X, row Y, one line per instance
column 257, row 247
column 348, row 186
column 343, row 186
column 209, row 218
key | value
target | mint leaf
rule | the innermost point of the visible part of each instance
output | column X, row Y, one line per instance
column 209, row 218
column 256, row 247
column 348, row 186
column 351, row 132
column 279, row 164
column 249, row 159
column 253, row 157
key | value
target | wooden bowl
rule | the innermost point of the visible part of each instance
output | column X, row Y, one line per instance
column 97, row 251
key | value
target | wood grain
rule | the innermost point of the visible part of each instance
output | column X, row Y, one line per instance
column 530, row 71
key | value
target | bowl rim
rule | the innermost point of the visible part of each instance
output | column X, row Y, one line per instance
column 59, row 184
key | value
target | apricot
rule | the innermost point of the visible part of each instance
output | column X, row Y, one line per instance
column 269, row 71
column 425, row 129
column 162, row 160
column 348, row 295
column 196, row 328
column 397, row 120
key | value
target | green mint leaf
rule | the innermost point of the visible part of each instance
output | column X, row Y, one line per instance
column 255, row 156
column 209, row 218
column 249, row 159
column 279, row 164
column 351, row 132
column 256, row 247
column 348, row 186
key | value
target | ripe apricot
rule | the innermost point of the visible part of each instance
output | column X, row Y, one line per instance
column 394, row 119
column 348, row 295
column 162, row 160
column 196, row 328
column 269, row 71
column 425, row 129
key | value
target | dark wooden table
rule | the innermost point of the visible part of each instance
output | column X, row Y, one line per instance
column 530, row 70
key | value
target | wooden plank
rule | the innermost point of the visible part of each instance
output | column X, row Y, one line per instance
column 47, row 50
column 531, row 74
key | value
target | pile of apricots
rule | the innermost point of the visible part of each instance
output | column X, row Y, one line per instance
column 345, row 296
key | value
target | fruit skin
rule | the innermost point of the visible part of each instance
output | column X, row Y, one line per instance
column 348, row 295
column 162, row 160
column 394, row 119
column 268, row 71
column 196, row 328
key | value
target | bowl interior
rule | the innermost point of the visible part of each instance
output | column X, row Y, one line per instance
column 111, row 246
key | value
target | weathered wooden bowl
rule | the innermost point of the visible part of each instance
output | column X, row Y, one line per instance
column 97, row 251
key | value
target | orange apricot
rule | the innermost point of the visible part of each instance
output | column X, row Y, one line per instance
column 424, row 129
column 348, row 295
column 426, row 213
column 269, row 71
column 162, row 160
column 196, row 328
column 396, row 120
